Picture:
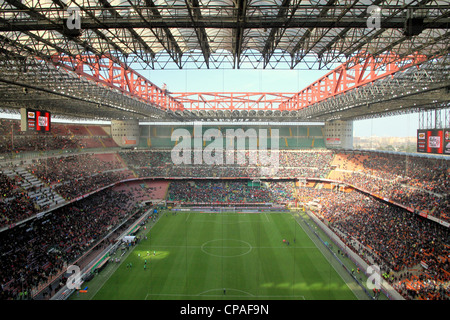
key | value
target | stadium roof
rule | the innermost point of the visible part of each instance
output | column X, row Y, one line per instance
column 225, row 33
column 193, row 34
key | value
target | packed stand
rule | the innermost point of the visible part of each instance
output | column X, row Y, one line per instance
column 417, row 182
column 77, row 175
column 15, row 204
column 290, row 164
column 37, row 251
column 62, row 137
column 214, row 191
column 399, row 242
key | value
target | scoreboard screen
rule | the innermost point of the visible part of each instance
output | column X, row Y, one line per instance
column 435, row 141
column 35, row 120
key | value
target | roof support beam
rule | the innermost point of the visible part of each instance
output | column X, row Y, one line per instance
column 219, row 23
column 277, row 33
column 59, row 27
column 143, row 47
column 344, row 32
column 229, row 34
column 238, row 32
column 373, row 39
column 104, row 71
column 364, row 70
column 297, row 54
column 110, row 44
column 202, row 37
column 163, row 35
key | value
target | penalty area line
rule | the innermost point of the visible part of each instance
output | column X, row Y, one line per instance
column 297, row 297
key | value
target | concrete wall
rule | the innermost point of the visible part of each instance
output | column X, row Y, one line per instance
column 339, row 134
column 125, row 132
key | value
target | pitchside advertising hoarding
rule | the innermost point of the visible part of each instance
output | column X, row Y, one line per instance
column 435, row 141
column 35, row 120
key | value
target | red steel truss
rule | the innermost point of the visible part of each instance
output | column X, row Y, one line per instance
column 105, row 71
column 232, row 100
column 359, row 71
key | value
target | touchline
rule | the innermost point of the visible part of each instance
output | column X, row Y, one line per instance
column 223, row 147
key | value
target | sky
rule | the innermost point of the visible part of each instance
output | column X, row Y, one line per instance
column 273, row 81
column 233, row 80
column 289, row 81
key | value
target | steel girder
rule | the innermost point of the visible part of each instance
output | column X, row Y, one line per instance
column 411, row 90
column 232, row 100
column 90, row 87
column 364, row 87
column 103, row 70
column 46, row 86
column 358, row 71
column 178, row 34
column 237, row 34
column 239, row 106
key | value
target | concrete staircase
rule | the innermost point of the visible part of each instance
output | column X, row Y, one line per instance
column 44, row 196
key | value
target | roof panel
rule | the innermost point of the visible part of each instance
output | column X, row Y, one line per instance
column 132, row 28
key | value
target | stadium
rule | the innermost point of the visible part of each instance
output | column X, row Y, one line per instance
column 191, row 150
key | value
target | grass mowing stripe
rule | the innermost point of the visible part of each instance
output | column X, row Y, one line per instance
column 244, row 253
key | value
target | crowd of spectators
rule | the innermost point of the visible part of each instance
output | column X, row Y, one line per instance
column 317, row 160
column 54, row 170
column 431, row 174
column 75, row 175
column 417, row 182
column 393, row 238
column 38, row 250
column 12, row 140
column 36, row 142
column 396, row 240
column 15, row 203
column 219, row 191
column 282, row 191
column 70, row 137
column 75, row 188
column 288, row 164
column 69, row 176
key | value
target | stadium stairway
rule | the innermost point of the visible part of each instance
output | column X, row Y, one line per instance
column 332, row 162
column 125, row 165
column 42, row 194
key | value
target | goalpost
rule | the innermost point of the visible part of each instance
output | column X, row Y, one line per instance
column 227, row 209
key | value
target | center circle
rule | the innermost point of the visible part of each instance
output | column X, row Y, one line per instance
column 226, row 248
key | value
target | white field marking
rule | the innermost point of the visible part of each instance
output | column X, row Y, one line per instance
column 244, row 294
column 326, row 258
column 229, row 247
column 226, row 247
column 225, row 214
column 110, row 272
column 227, row 289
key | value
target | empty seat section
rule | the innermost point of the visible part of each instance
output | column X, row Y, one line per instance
column 159, row 142
column 315, row 131
column 108, row 142
column 78, row 130
column 97, row 131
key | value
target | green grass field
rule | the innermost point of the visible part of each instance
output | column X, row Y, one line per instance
column 195, row 256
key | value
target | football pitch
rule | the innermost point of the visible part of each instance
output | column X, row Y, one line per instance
column 209, row 256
